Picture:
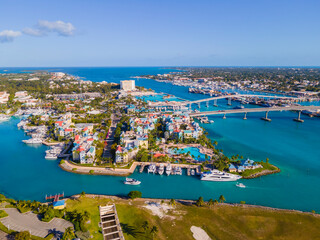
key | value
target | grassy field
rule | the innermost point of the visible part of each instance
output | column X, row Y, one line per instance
column 221, row 221
column 3, row 214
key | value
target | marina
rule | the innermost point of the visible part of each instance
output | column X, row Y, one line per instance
column 235, row 136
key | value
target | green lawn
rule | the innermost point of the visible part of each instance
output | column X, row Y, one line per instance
column 265, row 166
column 3, row 214
column 222, row 221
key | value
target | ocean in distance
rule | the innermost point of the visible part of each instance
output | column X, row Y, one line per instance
column 292, row 146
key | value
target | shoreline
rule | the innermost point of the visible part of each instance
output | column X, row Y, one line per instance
column 188, row 202
column 263, row 173
column 69, row 166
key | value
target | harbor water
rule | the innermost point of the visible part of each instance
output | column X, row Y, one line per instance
column 292, row 146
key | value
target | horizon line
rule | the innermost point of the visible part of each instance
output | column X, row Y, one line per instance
column 175, row 66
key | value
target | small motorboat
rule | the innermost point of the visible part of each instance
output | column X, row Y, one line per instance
column 131, row 181
column 241, row 185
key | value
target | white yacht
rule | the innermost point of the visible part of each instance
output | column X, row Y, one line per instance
column 51, row 156
column 193, row 172
column 33, row 141
column 22, row 123
column 4, row 118
column 131, row 181
column 168, row 169
column 240, row 185
column 152, row 168
column 178, row 171
column 218, row 176
column 161, row 169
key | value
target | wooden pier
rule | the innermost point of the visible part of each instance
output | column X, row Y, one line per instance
column 188, row 171
column 142, row 168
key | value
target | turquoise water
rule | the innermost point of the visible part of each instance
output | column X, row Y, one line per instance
column 158, row 98
column 292, row 146
column 193, row 151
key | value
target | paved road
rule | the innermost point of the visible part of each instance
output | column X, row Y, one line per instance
column 222, row 97
column 110, row 139
column 5, row 236
column 29, row 222
column 247, row 110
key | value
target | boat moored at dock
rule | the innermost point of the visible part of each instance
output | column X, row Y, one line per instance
column 4, row 118
column 168, row 169
column 33, row 141
column 161, row 169
column 152, row 168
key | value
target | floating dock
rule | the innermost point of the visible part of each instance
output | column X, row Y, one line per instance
column 142, row 168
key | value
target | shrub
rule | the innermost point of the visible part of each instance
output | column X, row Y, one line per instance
column 3, row 214
column 62, row 161
column 135, row 194
column 74, row 169
column 242, row 202
column 91, row 171
column 48, row 215
column 25, row 235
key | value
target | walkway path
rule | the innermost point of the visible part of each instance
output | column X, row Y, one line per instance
column 30, row 222
column 5, row 236
column 71, row 167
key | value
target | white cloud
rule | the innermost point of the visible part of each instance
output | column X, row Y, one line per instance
column 8, row 35
column 44, row 27
column 33, row 32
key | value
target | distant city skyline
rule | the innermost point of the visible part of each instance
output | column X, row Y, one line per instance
column 159, row 33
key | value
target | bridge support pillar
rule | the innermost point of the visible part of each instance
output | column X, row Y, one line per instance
column 298, row 119
column 207, row 104
column 266, row 117
column 190, row 106
column 245, row 116
column 229, row 101
column 199, row 105
column 224, row 116
column 215, row 103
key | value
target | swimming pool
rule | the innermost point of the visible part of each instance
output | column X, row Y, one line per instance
column 193, row 151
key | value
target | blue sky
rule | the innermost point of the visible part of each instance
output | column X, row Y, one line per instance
column 159, row 33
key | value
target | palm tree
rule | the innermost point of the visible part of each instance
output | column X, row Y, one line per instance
column 199, row 202
column 145, row 225
column 154, row 230
column 68, row 234
column 215, row 202
column 222, row 199
column 172, row 202
column 210, row 202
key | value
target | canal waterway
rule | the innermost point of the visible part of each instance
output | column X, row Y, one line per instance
column 292, row 146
